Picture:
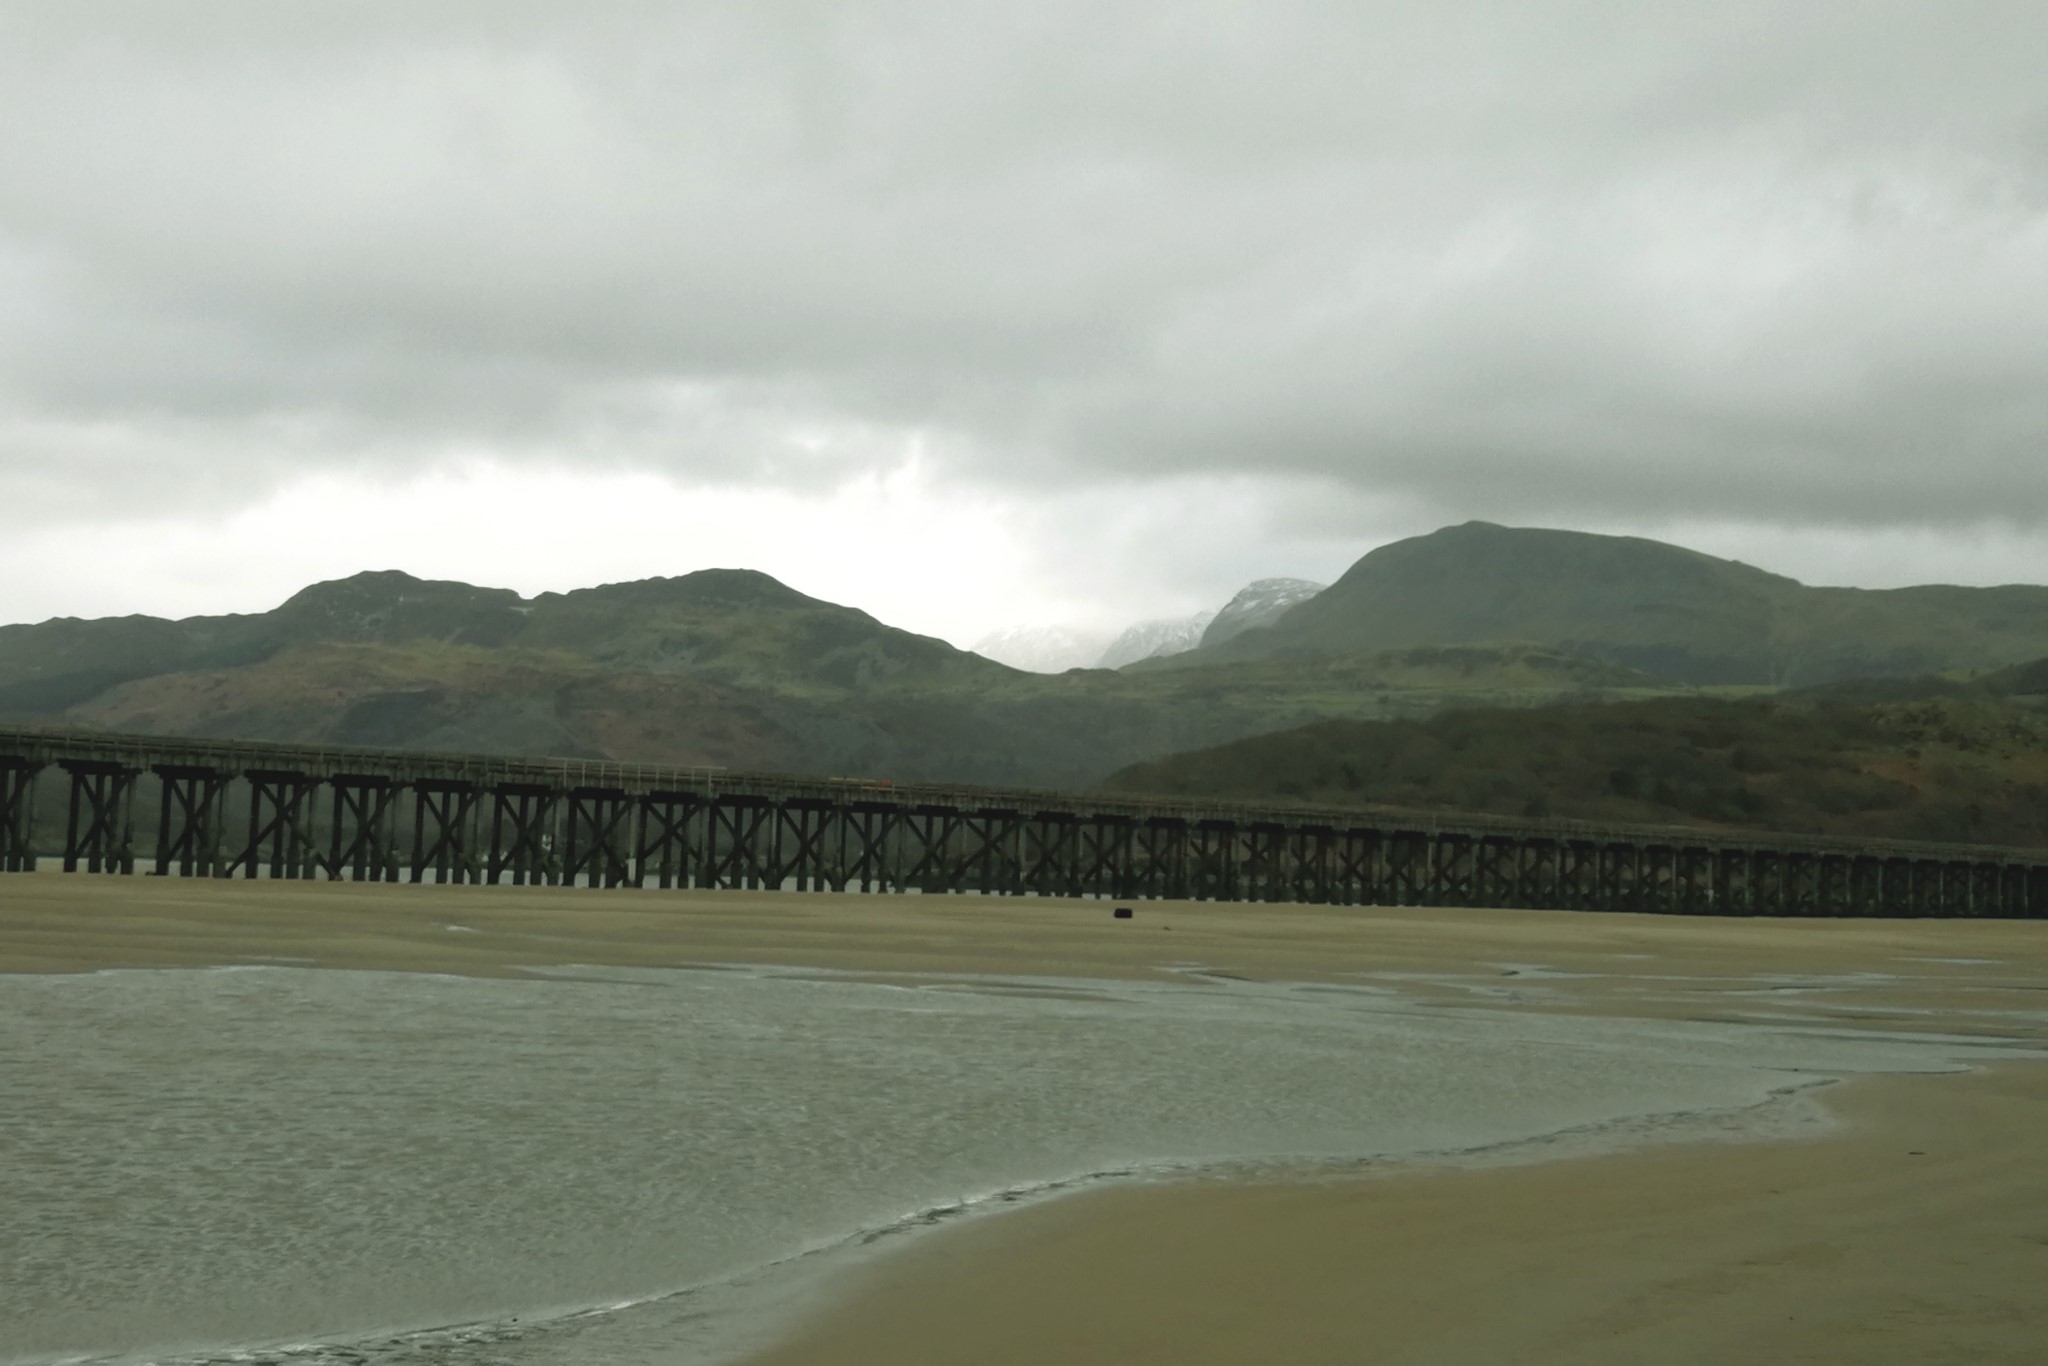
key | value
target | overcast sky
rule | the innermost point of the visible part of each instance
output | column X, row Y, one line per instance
column 973, row 314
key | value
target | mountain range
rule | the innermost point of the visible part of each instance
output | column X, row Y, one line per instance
column 1151, row 639
column 731, row 667
column 1055, row 649
column 1042, row 649
column 720, row 667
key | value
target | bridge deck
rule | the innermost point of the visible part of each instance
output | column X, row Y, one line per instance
column 240, row 807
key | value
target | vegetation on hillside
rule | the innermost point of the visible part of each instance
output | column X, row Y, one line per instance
column 1936, row 761
column 730, row 667
column 1010, row 729
column 1668, row 611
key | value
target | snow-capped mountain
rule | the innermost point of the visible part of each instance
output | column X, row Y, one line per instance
column 1258, row 604
column 1148, row 639
column 1041, row 649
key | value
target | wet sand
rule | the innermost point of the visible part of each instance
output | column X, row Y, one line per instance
column 1917, row 1232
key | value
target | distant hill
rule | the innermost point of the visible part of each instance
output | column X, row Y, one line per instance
column 1671, row 612
column 1260, row 603
column 732, row 667
column 1910, row 759
column 1055, row 649
column 729, row 626
column 722, row 667
column 1154, row 640
column 1041, row 649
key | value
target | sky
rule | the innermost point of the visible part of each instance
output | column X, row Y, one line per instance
column 973, row 315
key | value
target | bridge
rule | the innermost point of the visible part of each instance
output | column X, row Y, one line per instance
column 242, row 809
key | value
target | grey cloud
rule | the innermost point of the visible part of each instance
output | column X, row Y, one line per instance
column 1493, row 258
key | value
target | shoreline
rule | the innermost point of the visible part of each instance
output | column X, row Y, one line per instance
column 883, row 1273
column 1849, row 1246
column 1230, row 1263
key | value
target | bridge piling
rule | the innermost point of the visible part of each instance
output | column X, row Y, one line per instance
column 283, row 809
column 191, row 821
column 661, row 840
column 598, row 845
column 18, row 814
column 444, row 831
column 363, row 839
column 99, row 830
column 808, row 829
column 733, row 844
column 861, row 829
column 522, row 835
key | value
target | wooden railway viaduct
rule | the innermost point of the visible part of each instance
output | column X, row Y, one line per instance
column 234, row 809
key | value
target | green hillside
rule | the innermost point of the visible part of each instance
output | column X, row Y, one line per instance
column 722, row 667
column 736, row 626
column 1929, row 760
column 1671, row 612
column 732, row 667
column 1024, row 729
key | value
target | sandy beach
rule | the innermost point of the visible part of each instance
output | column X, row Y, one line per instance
column 1919, row 1234
column 1916, row 1231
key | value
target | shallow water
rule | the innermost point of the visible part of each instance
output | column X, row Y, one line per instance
column 613, row 1166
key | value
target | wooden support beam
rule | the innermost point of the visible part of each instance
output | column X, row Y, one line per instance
column 523, row 844
column 283, row 811
column 1408, row 855
column 663, row 838
column 869, row 831
column 925, row 858
column 1213, row 844
column 1312, row 850
column 1609, row 887
column 1051, row 854
column 1105, row 860
column 362, row 837
column 18, row 814
column 1496, row 877
column 445, row 836
column 192, row 822
column 1453, row 867
column 994, row 862
column 1260, row 868
column 1895, row 887
column 802, row 854
column 739, row 848
column 99, row 830
column 1358, row 867
column 1160, row 859
column 598, row 843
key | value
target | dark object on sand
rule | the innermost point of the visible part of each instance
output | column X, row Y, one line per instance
column 1123, row 913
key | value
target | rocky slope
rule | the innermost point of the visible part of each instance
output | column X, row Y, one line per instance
column 1260, row 603
column 1155, row 639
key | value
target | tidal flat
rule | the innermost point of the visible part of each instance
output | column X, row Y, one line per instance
column 329, row 1122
